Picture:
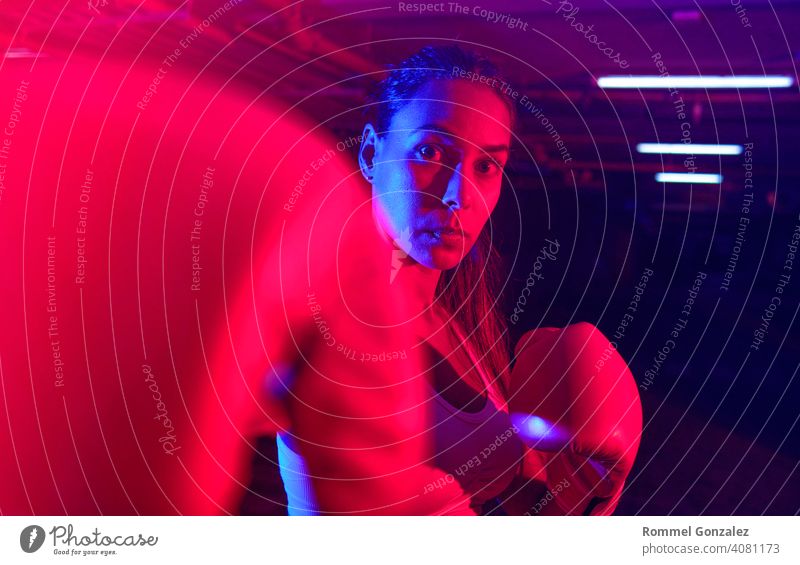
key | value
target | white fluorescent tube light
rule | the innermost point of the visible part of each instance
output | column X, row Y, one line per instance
column 708, row 81
column 689, row 178
column 689, row 148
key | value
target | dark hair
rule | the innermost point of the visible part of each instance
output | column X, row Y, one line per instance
column 469, row 291
column 430, row 63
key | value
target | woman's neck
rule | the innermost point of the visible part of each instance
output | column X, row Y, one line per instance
column 416, row 282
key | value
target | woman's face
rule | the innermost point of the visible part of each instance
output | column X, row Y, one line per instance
column 436, row 174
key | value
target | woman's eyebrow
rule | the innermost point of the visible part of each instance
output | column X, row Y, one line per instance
column 495, row 148
column 443, row 130
column 436, row 128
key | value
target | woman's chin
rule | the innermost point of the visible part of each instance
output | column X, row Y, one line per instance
column 442, row 259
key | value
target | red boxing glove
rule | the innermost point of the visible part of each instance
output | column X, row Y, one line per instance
column 577, row 406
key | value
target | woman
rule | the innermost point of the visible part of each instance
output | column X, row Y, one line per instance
column 434, row 154
column 433, row 151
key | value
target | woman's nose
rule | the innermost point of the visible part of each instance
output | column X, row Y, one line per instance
column 459, row 189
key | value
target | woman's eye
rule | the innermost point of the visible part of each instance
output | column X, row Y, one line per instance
column 488, row 166
column 430, row 153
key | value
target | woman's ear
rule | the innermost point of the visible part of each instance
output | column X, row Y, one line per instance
column 367, row 152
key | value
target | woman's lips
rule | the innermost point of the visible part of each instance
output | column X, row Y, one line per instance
column 451, row 236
